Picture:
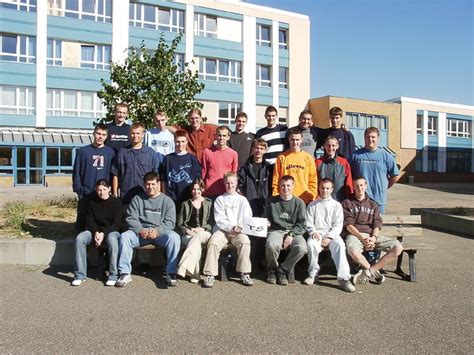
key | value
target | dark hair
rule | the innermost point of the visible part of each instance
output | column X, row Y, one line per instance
column 101, row 126
column 294, row 130
column 260, row 141
column 221, row 128
column 241, row 114
column 151, row 175
column 305, row 112
column 336, row 111
column 181, row 133
column 270, row 109
column 287, row 178
column 359, row 177
column 194, row 110
column 197, row 181
column 102, row 182
column 120, row 104
column 372, row 130
column 320, row 182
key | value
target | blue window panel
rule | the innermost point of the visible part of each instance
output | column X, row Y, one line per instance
column 218, row 91
column 218, row 13
column 419, row 141
column 77, row 30
column 70, row 122
column 9, row 22
column 151, row 38
column 264, row 95
column 264, row 55
column 75, row 78
column 18, row 120
column 433, row 140
column 18, row 74
column 218, row 48
column 458, row 142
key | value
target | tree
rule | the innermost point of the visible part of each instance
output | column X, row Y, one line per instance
column 150, row 79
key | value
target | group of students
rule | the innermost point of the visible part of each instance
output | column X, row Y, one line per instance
column 195, row 186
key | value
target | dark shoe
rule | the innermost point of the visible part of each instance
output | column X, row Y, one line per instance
column 282, row 278
column 271, row 277
column 171, row 280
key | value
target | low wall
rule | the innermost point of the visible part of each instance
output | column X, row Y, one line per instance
column 433, row 217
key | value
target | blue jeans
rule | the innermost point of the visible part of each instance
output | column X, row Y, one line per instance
column 170, row 240
column 83, row 239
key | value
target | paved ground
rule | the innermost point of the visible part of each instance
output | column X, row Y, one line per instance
column 41, row 313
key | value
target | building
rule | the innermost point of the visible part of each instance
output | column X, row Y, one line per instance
column 54, row 53
column 431, row 141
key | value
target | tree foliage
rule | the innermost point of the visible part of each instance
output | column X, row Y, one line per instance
column 150, row 79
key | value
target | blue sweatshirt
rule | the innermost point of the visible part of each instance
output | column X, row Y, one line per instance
column 91, row 164
column 118, row 136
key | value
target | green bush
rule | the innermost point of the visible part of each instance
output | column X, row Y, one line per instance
column 15, row 215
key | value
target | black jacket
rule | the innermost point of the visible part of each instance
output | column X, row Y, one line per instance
column 257, row 189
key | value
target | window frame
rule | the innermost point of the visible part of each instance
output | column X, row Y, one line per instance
column 137, row 18
column 19, row 5
column 260, row 41
column 29, row 98
column 29, row 44
column 56, row 106
column 234, row 75
column 201, row 25
column 54, row 59
column 283, row 84
column 283, row 45
column 260, row 81
column 95, row 63
column 100, row 14
column 233, row 108
column 462, row 128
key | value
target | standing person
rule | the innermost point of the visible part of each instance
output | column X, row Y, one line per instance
column 287, row 216
column 241, row 141
column 230, row 209
column 151, row 218
column 298, row 164
column 274, row 134
column 324, row 220
column 201, row 135
column 103, row 217
column 119, row 131
column 255, row 179
column 160, row 138
column 92, row 163
column 179, row 170
column 377, row 166
column 345, row 137
column 195, row 222
column 336, row 168
column 311, row 135
column 216, row 161
column 362, row 225
column 131, row 165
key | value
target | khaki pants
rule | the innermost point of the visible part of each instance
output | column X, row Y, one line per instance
column 191, row 258
column 217, row 242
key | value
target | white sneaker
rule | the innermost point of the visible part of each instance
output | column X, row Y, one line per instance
column 346, row 285
column 309, row 281
column 123, row 280
column 110, row 282
column 193, row 280
column 77, row 282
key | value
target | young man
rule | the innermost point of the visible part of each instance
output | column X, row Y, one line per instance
column 377, row 166
column 93, row 162
column 241, row 141
column 298, row 164
column 287, row 216
column 311, row 135
column 362, row 224
column 119, row 131
column 179, row 169
column 201, row 135
column 131, row 165
column 273, row 134
column 151, row 218
column 324, row 220
column 229, row 212
column 344, row 137
column 336, row 168
column 216, row 161
column 160, row 138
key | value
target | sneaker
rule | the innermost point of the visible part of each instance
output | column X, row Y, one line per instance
column 246, row 280
column 208, row 281
column 193, row 280
column 271, row 277
column 123, row 280
column 376, row 277
column 346, row 285
column 171, row 280
column 362, row 277
column 110, row 282
column 77, row 282
column 282, row 279
column 309, row 280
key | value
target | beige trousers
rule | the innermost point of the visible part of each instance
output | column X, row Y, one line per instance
column 191, row 258
column 217, row 242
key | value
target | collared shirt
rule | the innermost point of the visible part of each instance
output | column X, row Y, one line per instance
column 201, row 139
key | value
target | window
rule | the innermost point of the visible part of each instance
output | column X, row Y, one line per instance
column 156, row 18
column 17, row 48
column 364, row 120
column 178, row 60
column 458, row 128
column 95, row 10
column 458, row 161
column 264, row 35
column 17, row 100
column 283, row 38
column 6, row 160
column 227, row 112
column 419, row 122
column 263, row 75
column 283, row 78
column 20, row 5
column 95, row 56
column 59, row 160
column 228, row 71
column 432, row 124
column 205, row 25
column 73, row 103
column 54, row 52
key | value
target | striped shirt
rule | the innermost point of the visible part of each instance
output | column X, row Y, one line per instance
column 276, row 140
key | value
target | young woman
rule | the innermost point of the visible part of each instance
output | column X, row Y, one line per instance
column 103, row 218
column 195, row 222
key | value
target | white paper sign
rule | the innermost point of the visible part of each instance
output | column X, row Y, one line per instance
column 255, row 226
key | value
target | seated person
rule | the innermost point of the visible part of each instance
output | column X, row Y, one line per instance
column 103, row 216
column 229, row 212
column 287, row 216
column 324, row 220
column 362, row 224
column 195, row 222
column 151, row 219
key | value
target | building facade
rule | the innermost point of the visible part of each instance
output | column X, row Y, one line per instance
column 53, row 54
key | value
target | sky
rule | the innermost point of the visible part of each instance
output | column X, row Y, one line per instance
column 382, row 49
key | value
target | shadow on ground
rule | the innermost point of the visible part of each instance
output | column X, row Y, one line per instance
column 52, row 230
